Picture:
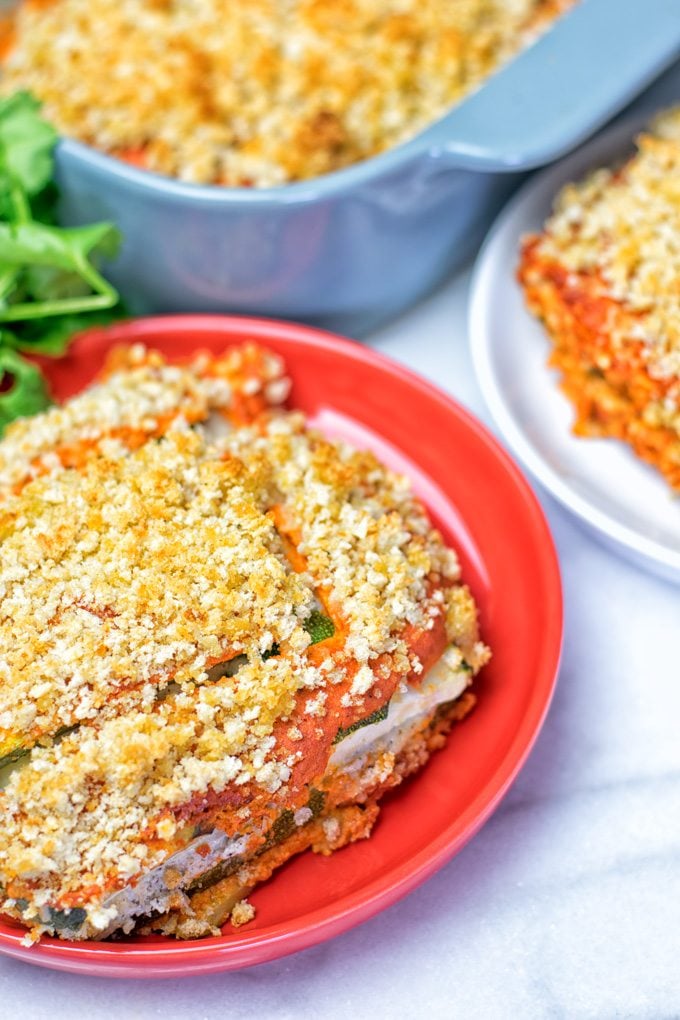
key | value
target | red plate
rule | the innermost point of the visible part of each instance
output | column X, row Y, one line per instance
column 487, row 511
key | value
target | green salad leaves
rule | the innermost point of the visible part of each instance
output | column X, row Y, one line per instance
column 50, row 287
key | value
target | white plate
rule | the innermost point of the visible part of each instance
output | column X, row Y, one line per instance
column 625, row 502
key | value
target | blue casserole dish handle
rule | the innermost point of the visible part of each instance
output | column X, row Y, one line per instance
column 561, row 89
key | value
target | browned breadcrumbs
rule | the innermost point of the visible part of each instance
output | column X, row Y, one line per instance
column 258, row 92
column 168, row 714
column 242, row 913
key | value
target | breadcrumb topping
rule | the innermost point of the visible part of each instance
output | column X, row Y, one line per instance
column 623, row 225
column 366, row 541
column 155, row 651
column 139, row 570
column 242, row 913
column 141, row 397
column 258, row 92
column 93, row 809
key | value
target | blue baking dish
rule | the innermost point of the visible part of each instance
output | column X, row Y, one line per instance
column 350, row 249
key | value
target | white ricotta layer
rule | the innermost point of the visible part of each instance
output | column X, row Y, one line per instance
column 446, row 681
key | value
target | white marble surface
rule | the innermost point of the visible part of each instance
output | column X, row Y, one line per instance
column 567, row 903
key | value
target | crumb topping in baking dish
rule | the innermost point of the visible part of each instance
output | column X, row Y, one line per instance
column 188, row 626
column 258, row 92
column 623, row 224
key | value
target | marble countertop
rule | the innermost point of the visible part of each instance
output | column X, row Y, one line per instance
column 567, row 903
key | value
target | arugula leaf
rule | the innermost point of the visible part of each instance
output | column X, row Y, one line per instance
column 50, row 284
column 52, row 335
column 60, row 247
column 26, row 143
column 27, row 393
column 38, row 246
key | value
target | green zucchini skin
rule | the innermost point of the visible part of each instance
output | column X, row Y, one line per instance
column 12, row 757
column 283, row 827
column 20, row 752
column 319, row 627
column 378, row 716
column 67, row 920
column 216, row 874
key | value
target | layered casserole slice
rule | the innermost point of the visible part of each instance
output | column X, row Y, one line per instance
column 222, row 639
column 604, row 276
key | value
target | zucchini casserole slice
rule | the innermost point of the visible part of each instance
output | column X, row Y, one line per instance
column 222, row 639
column 604, row 276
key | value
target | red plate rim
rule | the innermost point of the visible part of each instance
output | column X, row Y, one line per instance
column 166, row 958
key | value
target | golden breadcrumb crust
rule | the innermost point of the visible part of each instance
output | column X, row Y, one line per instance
column 257, row 92
column 139, row 398
column 159, row 678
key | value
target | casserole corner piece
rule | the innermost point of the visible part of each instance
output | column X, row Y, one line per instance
column 602, row 276
column 223, row 639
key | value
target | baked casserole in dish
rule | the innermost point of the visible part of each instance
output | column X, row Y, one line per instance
column 257, row 92
column 224, row 639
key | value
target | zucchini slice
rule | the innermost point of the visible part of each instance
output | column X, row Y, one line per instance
column 319, row 627
column 378, row 716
